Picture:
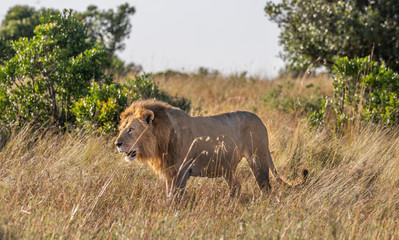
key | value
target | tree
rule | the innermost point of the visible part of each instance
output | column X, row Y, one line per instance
column 20, row 21
column 49, row 71
column 6, row 51
column 322, row 29
column 109, row 27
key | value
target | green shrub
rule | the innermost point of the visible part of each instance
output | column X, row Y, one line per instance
column 6, row 51
column 321, row 29
column 364, row 90
column 107, row 29
column 49, row 72
column 20, row 21
column 102, row 106
column 146, row 88
column 100, row 109
column 57, row 77
column 285, row 98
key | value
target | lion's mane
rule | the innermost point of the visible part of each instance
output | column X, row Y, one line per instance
column 161, row 158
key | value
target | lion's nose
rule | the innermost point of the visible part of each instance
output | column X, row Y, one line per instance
column 118, row 144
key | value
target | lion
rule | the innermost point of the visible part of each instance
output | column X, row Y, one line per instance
column 177, row 146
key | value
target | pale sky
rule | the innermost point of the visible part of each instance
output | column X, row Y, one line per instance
column 231, row 36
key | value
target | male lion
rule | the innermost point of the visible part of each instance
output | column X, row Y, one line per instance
column 177, row 146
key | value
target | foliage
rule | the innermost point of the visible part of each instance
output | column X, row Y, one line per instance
column 146, row 88
column 318, row 116
column 171, row 74
column 49, row 71
column 109, row 27
column 119, row 68
column 322, row 29
column 289, row 98
column 363, row 89
column 6, row 51
column 57, row 76
column 101, row 107
column 20, row 21
column 204, row 72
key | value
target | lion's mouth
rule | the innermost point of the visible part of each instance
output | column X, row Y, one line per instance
column 130, row 156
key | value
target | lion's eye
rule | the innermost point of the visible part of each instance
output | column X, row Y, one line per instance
column 130, row 130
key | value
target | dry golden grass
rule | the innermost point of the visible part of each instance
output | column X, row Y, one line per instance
column 76, row 186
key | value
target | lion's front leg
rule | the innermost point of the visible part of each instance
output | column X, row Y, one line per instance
column 178, row 184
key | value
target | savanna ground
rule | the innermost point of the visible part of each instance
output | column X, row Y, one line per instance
column 76, row 186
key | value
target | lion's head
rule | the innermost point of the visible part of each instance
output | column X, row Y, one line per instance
column 146, row 135
column 133, row 139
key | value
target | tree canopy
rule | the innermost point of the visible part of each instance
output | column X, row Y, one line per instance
column 106, row 28
column 20, row 21
column 110, row 28
column 322, row 29
column 59, row 76
column 49, row 71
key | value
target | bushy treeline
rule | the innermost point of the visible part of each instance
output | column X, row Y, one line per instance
column 363, row 90
column 358, row 43
column 59, row 76
column 105, row 28
column 322, row 29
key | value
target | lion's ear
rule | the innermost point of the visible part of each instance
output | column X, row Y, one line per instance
column 149, row 117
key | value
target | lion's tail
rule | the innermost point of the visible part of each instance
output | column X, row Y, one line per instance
column 273, row 169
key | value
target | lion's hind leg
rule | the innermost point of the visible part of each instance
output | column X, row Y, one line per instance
column 233, row 183
column 260, row 168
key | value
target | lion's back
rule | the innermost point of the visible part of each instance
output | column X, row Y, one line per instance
column 240, row 126
column 238, row 123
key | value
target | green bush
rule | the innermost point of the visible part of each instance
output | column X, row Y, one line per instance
column 285, row 98
column 364, row 90
column 323, row 29
column 20, row 21
column 144, row 87
column 108, row 29
column 49, row 72
column 57, row 77
column 6, row 51
column 101, row 108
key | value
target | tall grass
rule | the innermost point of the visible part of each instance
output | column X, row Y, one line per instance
column 57, row 185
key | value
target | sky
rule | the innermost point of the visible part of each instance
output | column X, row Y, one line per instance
column 231, row 36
